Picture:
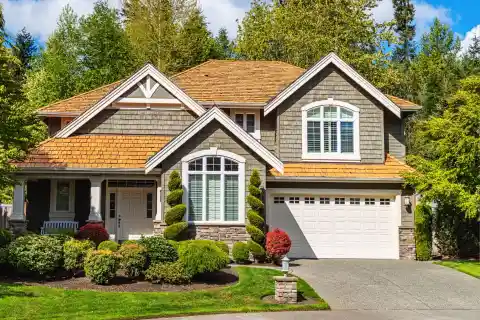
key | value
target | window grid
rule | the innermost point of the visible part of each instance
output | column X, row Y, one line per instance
column 149, row 205
column 355, row 201
column 339, row 200
column 62, row 202
column 112, row 205
column 384, row 202
column 369, row 201
column 231, row 197
column 250, row 123
column 294, row 200
column 309, row 200
column 324, row 200
column 278, row 200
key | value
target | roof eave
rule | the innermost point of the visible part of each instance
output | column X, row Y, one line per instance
column 333, row 179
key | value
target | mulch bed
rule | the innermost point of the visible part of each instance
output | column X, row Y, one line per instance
column 222, row 278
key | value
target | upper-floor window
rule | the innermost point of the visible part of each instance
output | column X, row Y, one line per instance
column 330, row 131
column 249, row 120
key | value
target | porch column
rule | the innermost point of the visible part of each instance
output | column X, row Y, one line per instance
column 158, row 215
column 18, row 210
column 95, row 199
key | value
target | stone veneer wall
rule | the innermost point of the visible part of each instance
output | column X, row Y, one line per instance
column 407, row 243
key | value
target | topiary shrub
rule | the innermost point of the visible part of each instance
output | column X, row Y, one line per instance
column 278, row 244
column 256, row 234
column 255, row 219
column 158, row 249
column 423, row 231
column 129, row 242
column 223, row 246
column 174, row 215
column 40, row 255
column 74, row 253
column 199, row 256
column 133, row 259
column 254, row 215
column 108, row 245
column 101, row 266
column 5, row 237
column 240, row 253
column 172, row 273
column 176, row 231
column 257, row 251
column 174, row 244
column 94, row 232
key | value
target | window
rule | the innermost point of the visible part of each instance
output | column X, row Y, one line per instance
column 384, row 202
column 294, row 200
column 214, row 189
column 62, row 195
column 309, row 200
column 355, row 201
column 330, row 131
column 149, row 205
column 278, row 200
column 112, row 205
column 324, row 200
column 248, row 120
column 339, row 200
column 369, row 201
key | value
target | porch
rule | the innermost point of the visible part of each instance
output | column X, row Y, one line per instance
column 127, row 206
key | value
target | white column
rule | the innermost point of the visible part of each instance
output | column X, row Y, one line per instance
column 158, row 215
column 95, row 199
column 18, row 201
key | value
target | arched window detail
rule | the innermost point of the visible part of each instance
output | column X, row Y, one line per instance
column 214, row 187
column 330, row 131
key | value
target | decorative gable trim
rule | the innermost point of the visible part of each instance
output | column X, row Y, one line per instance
column 147, row 70
column 332, row 58
column 200, row 123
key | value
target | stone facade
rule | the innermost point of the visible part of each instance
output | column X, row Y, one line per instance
column 407, row 243
column 286, row 289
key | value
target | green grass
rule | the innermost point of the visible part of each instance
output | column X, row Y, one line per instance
column 469, row 267
column 39, row 302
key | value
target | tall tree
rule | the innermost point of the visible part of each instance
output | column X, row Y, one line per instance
column 472, row 57
column 24, row 49
column 223, row 45
column 405, row 28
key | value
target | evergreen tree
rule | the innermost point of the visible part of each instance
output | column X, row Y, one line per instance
column 176, row 227
column 223, row 45
column 24, row 49
column 405, row 28
column 256, row 222
column 472, row 57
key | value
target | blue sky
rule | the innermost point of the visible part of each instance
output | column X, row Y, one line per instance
column 40, row 16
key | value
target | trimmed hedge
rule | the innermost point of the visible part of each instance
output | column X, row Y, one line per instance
column 240, row 252
column 172, row 273
column 423, row 232
column 129, row 242
column 223, row 246
column 101, row 266
column 74, row 253
column 176, row 231
column 199, row 256
column 257, row 251
column 109, row 245
column 257, row 235
column 255, row 203
column 133, row 259
column 158, row 249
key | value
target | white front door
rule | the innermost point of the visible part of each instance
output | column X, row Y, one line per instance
column 337, row 226
column 134, row 213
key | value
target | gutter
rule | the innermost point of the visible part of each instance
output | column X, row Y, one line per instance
column 332, row 179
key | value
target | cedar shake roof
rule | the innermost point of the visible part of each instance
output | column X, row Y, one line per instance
column 392, row 168
column 228, row 81
column 95, row 151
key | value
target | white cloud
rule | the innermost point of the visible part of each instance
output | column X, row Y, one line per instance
column 224, row 13
column 467, row 41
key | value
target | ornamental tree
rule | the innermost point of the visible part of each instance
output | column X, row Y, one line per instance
column 256, row 221
column 174, row 215
column 278, row 244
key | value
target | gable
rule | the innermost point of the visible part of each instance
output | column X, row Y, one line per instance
column 147, row 88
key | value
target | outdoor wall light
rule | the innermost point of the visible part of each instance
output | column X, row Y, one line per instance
column 408, row 202
column 285, row 265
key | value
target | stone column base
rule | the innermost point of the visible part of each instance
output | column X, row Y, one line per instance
column 286, row 289
column 407, row 243
column 17, row 226
column 158, row 227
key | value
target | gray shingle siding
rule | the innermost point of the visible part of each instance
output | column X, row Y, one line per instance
column 394, row 137
column 213, row 135
column 331, row 83
column 153, row 121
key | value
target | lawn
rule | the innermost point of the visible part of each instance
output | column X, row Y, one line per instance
column 39, row 302
column 469, row 267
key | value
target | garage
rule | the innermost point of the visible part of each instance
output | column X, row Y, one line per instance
column 337, row 225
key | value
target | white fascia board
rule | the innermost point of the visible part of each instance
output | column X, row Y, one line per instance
column 200, row 123
column 332, row 58
column 147, row 70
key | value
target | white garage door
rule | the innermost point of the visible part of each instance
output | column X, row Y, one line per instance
column 340, row 226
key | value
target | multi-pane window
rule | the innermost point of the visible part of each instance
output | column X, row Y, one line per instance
column 213, row 189
column 330, row 130
column 369, row 201
column 355, row 201
column 339, row 200
column 278, row 200
column 112, row 205
column 294, row 200
column 324, row 200
column 246, row 121
column 149, row 205
column 62, row 196
column 384, row 202
column 309, row 200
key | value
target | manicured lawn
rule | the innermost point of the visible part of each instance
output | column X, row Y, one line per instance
column 39, row 302
column 469, row 267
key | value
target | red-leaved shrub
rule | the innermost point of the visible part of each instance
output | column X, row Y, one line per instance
column 278, row 243
column 94, row 232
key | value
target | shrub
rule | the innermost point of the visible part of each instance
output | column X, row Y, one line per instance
column 75, row 251
column 129, row 242
column 58, row 232
column 175, row 214
column 172, row 273
column 133, row 259
column 5, row 237
column 3, row 257
column 257, row 251
column 240, row 252
column 158, row 249
column 278, row 243
column 223, row 246
column 61, row 237
column 255, row 203
column 175, row 231
column 108, row 245
column 94, row 232
column 36, row 254
column 174, row 244
column 257, row 235
column 423, row 231
column 199, row 256
column 101, row 266
column 255, row 219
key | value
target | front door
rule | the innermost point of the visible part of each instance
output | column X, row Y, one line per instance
column 135, row 213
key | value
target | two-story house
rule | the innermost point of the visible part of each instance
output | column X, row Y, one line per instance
column 328, row 145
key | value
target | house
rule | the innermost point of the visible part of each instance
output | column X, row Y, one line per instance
column 328, row 145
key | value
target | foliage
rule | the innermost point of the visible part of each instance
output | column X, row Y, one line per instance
column 278, row 243
column 36, row 254
column 133, row 259
column 171, row 273
column 24, row 48
column 223, row 45
column 257, row 251
column 240, row 252
column 101, row 266
column 74, row 252
column 60, row 231
column 404, row 15
column 256, row 234
column 6, row 237
column 223, row 246
column 174, row 244
column 176, row 231
column 129, row 242
column 254, row 215
column 200, row 256
column 423, row 232
column 472, row 57
column 108, row 245
column 94, row 232
column 255, row 219
column 158, row 249
column 176, row 212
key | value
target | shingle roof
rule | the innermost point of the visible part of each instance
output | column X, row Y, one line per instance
column 95, row 151
column 403, row 104
column 392, row 168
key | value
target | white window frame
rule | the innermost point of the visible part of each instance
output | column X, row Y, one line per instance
column 214, row 152
column 256, row 113
column 53, row 198
column 331, row 156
